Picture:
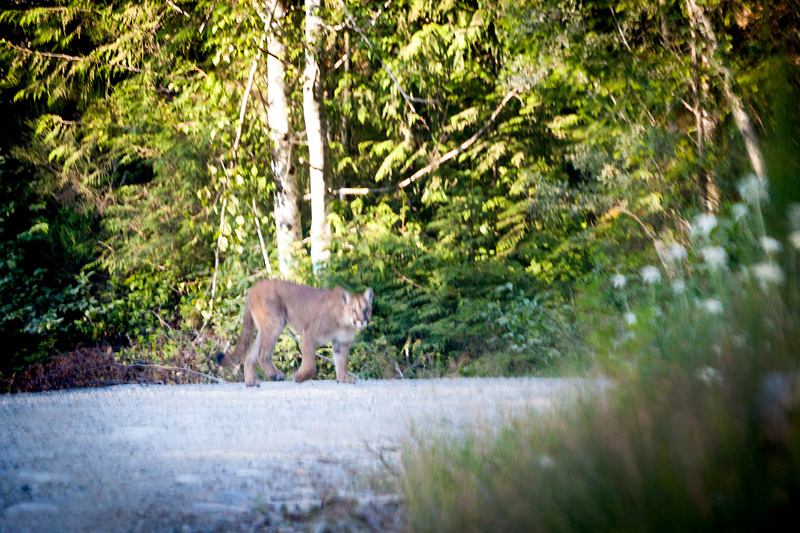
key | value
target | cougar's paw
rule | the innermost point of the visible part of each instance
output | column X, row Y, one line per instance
column 299, row 377
column 254, row 383
column 278, row 376
column 347, row 379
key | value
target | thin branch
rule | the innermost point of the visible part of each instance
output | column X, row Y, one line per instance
column 216, row 256
column 408, row 280
column 410, row 100
column 248, row 87
column 357, row 191
column 261, row 238
column 657, row 244
column 647, row 230
column 91, row 60
column 176, row 8
column 208, row 16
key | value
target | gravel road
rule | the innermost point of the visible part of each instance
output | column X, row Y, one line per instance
column 282, row 457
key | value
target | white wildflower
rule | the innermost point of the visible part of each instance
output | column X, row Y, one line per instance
column 712, row 306
column 739, row 340
column 677, row 286
column 794, row 216
column 794, row 238
column 674, row 253
column 770, row 245
column 714, row 256
column 618, row 281
column 545, row 461
column 753, row 189
column 650, row 274
column 704, row 224
column 630, row 318
column 739, row 211
column 709, row 375
column 767, row 273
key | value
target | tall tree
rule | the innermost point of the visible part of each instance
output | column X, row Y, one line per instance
column 316, row 136
column 287, row 215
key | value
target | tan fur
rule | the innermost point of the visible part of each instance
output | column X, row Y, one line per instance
column 319, row 316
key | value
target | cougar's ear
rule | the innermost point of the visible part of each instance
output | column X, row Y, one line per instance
column 368, row 296
column 345, row 297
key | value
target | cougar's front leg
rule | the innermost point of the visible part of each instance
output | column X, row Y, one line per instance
column 308, row 368
column 340, row 352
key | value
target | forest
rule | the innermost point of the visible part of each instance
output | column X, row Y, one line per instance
column 529, row 187
column 607, row 190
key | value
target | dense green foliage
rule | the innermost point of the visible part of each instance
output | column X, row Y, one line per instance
column 117, row 186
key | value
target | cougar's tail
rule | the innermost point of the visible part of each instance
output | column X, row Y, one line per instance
column 245, row 340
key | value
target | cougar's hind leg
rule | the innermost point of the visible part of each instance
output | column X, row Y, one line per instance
column 268, row 342
column 270, row 320
column 250, row 377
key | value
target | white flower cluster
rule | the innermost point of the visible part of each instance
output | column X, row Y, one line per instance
column 794, row 216
column 709, row 375
column 767, row 273
column 650, row 274
column 704, row 224
column 770, row 245
column 674, row 253
column 715, row 256
column 753, row 189
column 711, row 306
column 618, row 281
column 739, row 211
column 677, row 286
column 794, row 238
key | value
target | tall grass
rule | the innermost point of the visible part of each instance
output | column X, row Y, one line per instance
column 672, row 449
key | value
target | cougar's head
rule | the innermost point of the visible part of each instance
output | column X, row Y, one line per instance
column 357, row 308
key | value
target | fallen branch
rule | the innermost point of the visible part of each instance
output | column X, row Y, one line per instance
column 162, row 367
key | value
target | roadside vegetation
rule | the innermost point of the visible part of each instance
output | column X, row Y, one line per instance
column 487, row 169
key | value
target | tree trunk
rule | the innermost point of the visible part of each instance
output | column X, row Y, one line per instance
column 709, row 194
column 345, row 128
column 287, row 215
column 316, row 137
column 740, row 116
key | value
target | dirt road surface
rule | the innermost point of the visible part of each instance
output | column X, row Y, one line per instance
column 281, row 457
